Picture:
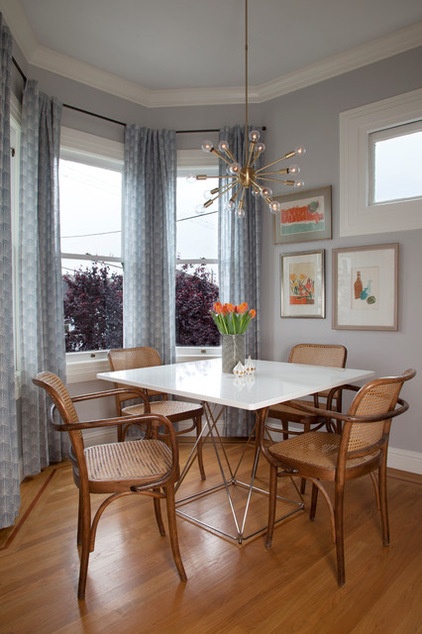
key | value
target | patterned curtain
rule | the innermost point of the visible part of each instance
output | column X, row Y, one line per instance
column 9, row 458
column 149, row 239
column 240, row 269
column 41, row 286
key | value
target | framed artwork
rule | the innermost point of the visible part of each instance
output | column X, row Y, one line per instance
column 304, row 216
column 365, row 281
column 303, row 284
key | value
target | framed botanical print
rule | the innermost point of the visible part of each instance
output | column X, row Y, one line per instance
column 365, row 281
column 303, row 284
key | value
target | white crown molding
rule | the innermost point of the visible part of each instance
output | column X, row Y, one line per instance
column 47, row 59
column 375, row 51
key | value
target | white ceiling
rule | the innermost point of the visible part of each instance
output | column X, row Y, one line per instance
column 179, row 52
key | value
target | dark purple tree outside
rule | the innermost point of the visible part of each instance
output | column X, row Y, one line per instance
column 93, row 305
column 195, row 295
column 93, row 308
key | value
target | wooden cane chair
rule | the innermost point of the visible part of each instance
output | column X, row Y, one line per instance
column 148, row 466
column 312, row 354
column 359, row 448
column 175, row 411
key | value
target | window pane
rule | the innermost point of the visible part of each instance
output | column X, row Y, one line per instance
column 93, row 305
column 197, row 234
column 397, row 167
column 90, row 217
column 196, row 291
column 90, row 209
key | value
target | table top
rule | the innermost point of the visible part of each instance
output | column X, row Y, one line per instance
column 273, row 381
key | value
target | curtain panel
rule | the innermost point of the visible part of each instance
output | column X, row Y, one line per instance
column 9, row 458
column 149, row 239
column 41, row 287
column 239, row 243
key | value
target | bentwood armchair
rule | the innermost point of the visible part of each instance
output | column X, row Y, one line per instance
column 358, row 447
column 148, row 466
column 176, row 411
column 334, row 355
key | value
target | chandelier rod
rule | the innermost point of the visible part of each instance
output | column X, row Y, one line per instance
column 246, row 82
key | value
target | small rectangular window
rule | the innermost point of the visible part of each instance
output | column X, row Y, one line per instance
column 395, row 163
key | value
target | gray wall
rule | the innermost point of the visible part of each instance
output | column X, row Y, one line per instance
column 309, row 117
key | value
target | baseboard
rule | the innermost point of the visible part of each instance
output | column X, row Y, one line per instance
column 403, row 460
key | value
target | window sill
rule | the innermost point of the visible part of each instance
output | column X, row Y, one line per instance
column 84, row 366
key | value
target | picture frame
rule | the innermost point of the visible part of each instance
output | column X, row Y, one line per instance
column 365, row 287
column 302, row 288
column 304, row 216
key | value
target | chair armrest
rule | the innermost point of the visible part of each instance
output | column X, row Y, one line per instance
column 155, row 419
column 114, row 392
column 401, row 407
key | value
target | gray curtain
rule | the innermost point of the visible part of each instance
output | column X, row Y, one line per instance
column 9, row 458
column 240, row 269
column 41, row 286
column 149, row 239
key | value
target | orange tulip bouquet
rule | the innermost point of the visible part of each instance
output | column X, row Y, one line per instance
column 231, row 319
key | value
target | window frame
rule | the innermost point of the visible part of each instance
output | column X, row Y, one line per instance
column 357, row 215
column 98, row 151
column 189, row 161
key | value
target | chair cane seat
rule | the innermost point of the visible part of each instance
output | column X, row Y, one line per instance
column 314, row 449
column 130, row 460
column 165, row 408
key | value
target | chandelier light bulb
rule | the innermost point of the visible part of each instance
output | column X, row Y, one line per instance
column 300, row 151
column 234, row 169
column 275, row 207
column 191, row 178
column 266, row 192
column 254, row 136
column 298, row 184
column 207, row 146
column 293, row 169
column 223, row 146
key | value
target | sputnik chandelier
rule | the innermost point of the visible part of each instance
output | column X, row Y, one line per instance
column 241, row 177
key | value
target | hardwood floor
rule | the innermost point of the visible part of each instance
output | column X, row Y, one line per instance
column 133, row 586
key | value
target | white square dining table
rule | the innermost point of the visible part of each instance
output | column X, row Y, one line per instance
column 272, row 382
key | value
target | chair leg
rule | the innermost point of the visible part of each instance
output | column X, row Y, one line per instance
column 314, row 500
column 339, row 530
column 80, row 528
column 158, row 516
column 382, row 483
column 198, row 426
column 85, row 540
column 172, row 526
column 272, row 500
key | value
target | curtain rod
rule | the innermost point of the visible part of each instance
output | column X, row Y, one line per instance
column 109, row 119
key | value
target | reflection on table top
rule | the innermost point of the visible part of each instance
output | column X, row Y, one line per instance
column 272, row 382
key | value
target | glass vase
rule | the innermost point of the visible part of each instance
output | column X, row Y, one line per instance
column 232, row 351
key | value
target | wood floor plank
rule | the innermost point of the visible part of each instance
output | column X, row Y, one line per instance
column 133, row 586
